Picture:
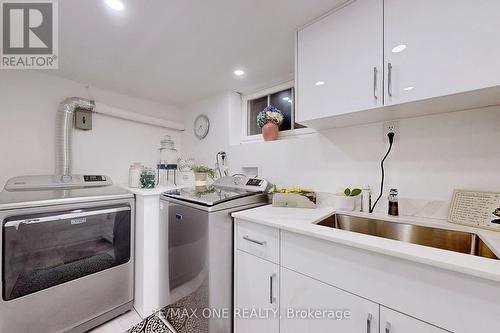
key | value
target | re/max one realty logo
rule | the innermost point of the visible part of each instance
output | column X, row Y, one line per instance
column 29, row 35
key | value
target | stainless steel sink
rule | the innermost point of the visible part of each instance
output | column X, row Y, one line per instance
column 457, row 241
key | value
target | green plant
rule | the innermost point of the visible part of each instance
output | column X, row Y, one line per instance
column 352, row 193
column 295, row 190
column 203, row 169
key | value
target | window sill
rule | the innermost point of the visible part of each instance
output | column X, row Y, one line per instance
column 285, row 135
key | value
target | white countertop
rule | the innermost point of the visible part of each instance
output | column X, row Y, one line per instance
column 151, row 191
column 303, row 221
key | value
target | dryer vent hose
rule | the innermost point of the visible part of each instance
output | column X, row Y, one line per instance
column 64, row 131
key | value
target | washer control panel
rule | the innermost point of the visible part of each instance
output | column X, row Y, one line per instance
column 94, row 178
column 240, row 181
column 255, row 182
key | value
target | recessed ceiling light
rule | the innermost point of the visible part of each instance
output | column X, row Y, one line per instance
column 398, row 48
column 239, row 72
column 115, row 4
column 409, row 88
column 320, row 83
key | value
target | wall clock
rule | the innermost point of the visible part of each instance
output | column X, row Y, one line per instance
column 201, row 126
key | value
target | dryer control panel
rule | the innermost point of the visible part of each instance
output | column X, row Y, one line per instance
column 50, row 182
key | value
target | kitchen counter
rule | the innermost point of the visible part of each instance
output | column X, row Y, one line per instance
column 303, row 221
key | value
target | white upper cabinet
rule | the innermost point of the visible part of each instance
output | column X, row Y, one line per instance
column 441, row 55
column 339, row 62
column 440, row 47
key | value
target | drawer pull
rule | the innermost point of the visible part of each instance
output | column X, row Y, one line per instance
column 254, row 241
column 369, row 323
column 271, row 291
column 389, row 79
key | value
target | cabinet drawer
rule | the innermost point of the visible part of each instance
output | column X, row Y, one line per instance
column 395, row 322
column 259, row 240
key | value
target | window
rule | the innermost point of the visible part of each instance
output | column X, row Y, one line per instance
column 281, row 97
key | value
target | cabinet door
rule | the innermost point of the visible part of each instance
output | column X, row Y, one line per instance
column 396, row 322
column 299, row 294
column 440, row 47
column 257, row 291
column 339, row 62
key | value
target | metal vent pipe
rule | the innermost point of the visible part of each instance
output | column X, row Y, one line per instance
column 64, row 131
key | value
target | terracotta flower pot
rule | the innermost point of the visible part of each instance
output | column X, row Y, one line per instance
column 270, row 131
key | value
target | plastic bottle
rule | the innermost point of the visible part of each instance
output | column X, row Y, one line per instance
column 366, row 199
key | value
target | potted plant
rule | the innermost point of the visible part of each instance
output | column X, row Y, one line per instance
column 293, row 197
column 201, row 174
column 270, row 120
column 346, row 199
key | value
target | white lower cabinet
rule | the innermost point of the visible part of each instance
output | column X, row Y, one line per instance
column 256, row 294
column 394, row 322
column 316, row 286
column 311, row 306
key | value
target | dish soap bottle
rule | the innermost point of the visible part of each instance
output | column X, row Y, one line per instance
column 393, row 202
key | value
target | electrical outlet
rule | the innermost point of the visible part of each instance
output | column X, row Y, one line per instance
column 391, row 127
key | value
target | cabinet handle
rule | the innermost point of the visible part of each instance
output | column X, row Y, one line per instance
column 389, row 80
column 375, row 72
column 388, row 327
column 271, row 291
column 254, row 241
column 369, row 323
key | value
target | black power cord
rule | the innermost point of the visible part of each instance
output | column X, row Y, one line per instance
column 391, row 140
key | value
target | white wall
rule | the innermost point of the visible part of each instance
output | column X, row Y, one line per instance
column 219, row 109
column 28, row 105
column 433, row 156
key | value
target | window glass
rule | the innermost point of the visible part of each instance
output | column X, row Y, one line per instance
column 254, row 107
column 283, row 101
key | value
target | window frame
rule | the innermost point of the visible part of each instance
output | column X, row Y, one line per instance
column 268, row 92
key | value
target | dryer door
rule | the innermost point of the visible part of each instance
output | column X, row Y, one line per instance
column 44, row 250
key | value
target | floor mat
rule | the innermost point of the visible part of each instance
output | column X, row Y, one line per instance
column 152, row 324
column 176, row 315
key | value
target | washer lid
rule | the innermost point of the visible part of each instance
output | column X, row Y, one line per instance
column 208, row 195
column 50, row 182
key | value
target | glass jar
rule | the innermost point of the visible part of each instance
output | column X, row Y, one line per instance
column 148, row 178
column 134, row 175
column 168, row 153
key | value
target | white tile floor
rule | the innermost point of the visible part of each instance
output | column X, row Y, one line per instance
column 119, row 324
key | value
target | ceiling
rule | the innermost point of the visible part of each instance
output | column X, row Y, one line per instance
column 178, row 51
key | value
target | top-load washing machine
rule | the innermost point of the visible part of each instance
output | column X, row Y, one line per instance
column 200, row 232
column 67, row 253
